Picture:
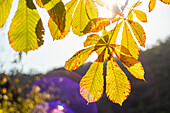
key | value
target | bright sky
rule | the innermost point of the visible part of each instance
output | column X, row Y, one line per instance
column 54, row 54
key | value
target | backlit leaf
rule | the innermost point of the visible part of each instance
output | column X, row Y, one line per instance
column 152, row 4
column 100, row 2
column 115, row 19
column 140, row 15
column 30, row 4
column 130, row 16
column 41, row 3
column 39, row 32
column 166, row 1
column 55, row 32
column 117, row 84
column 57, row 13
column 136, row 4
column 47, row 4
column 96, row 25
column 91, row 9
column 91, row 40
column 5, row 7
column 136, row 70
column 124, row 56
column 128, row 42
column 114, row 33
column 132, row 64
column 22, row 36
column 138, row 32
column 91, row 85
column 70, row 6
column 78, row 58
column 80, row 19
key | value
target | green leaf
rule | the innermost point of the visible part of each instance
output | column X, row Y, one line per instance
column 5, row 7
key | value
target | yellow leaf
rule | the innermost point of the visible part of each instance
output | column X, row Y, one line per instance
column 91, row 9
column 136, row 70
column 70, row 6
column 5, row 7
column 100, row 2
column 152, row 4
column 47, row 4
column 104, row 53
column 96, row 25
column 136, row 4
column 165, row 1
column 124, row 55
column 130, row 15
column 113, row 33
column 57, row 13
column 80, row 19
column 128, row 42
column 91, row 40
column 91, row 85
column 78, row 58
column 140, row 15
column 115, row 19
column 117, row 84
column 138, row 32
column 55, row 32
column 22, row 36
column 132, row 64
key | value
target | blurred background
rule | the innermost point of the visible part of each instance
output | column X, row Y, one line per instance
column 18, row 71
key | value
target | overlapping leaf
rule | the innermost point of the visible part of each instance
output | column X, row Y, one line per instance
column 47, row 4
column 80, row 19
column 128, row 42
column 96, row 25
column 22, row 32
column 132, row 64
column 55, row 31
column 57, row 14
column 139, row 14
column 5, row 7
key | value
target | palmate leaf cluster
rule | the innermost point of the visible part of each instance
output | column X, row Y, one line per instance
column 26, row 32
